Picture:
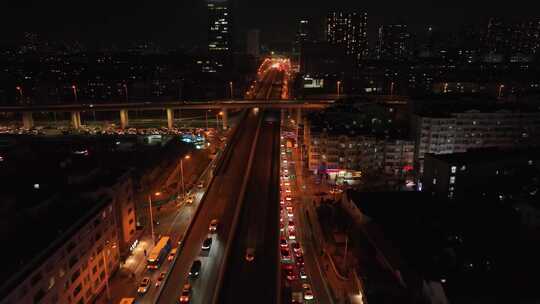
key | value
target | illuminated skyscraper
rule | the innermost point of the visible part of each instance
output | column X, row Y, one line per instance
column 219, row 26
column 394, row 42
column 348, row 30
column 220, row 38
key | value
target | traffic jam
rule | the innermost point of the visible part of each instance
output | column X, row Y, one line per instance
column 291, row 251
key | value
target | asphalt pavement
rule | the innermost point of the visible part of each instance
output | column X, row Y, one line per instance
column 219, row 203
column 256, row 281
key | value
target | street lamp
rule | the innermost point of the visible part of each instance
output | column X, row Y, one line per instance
column 151, row 216
column 501, row 87
column 392, row 88
column 217, row 119
column 231, row 89
column 74, row 88
column 338, row 87
column 19, row 89
column 126, row 92
column 182, row 176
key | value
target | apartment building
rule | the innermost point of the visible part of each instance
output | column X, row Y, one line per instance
column 343, row 149
column 84, row 234
column 472, row 129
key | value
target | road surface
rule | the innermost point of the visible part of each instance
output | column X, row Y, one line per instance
column 256, row 281
column 219, row 203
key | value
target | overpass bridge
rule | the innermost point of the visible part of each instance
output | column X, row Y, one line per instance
column 124, row 108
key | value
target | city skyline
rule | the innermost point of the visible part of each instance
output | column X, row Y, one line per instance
column 180, row 24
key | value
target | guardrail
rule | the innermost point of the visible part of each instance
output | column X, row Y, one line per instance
column 239, row 204
column 227, row 151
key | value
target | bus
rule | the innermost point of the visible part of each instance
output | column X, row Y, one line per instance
column 159, row 253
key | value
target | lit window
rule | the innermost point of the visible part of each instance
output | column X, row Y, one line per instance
column 452, row 179
column 434, row 181
column 530, row 162
column 463, row 168
column 453, row 169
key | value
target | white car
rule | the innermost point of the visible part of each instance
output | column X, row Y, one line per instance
column 171, row 255
column 200, row 185
column 213, row 225
column 308, row 293
column 143, row 287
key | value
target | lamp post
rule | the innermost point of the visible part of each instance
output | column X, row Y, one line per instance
column 338, row 87
column 206, row 116
column 20, row 90
column 151, row 216
column 74, row 88
column 217, row 119
column 126, row 92
column 392, row 88
column 501, row 87
column 231, row 89
column 181, row 177
column 106, row 273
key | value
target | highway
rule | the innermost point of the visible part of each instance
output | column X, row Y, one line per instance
column 256, row 281
column 219, row 203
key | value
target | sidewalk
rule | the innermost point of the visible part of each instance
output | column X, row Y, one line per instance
column 341, row 285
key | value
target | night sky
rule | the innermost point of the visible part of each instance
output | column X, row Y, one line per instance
column 173, row 23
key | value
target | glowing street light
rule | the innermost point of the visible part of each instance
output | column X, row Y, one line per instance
column 182, row 175
column 74, row 88
column 501, row 87
column 338, row 87
column 151, row 216
column 20, row 91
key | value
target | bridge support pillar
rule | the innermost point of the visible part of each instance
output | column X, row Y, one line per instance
column 170, row 118
column 28, row 120
column 75, row 119
column 225, row 118
column 299, row 116
column 124, row 118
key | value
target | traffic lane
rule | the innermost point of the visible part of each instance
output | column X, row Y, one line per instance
column 177, row 225
column 311, row 253
column 220, row 198
column 245, row 281
column 312, row 266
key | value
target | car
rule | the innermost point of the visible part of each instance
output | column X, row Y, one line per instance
column 308, row 293
column 282, row 202
column 144, row 285
column 288, row 190
column 296, row 247
column 200, row 185
column 291, row 224
column 195, row 269
column 285, row 254
column 189, row 199
column 300, row 261
column 290, row 211
column 250, row 254
column 283, row 242
column 172, row 254
column 185, row 296
column 281, row 226
column 213, row 225
column 302, row 274
column 298, row 254
column 288, row 198
column 207, row 243
column 160, row 279
column 289, row 274
column 292, row 234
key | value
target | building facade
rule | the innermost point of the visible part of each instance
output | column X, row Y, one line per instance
column 76, row 267
column 460, row 175
column 473, row 129
column 253, row 45
column 348, row 30
column 327, row 150
column 220, row 37
column 79, row 262
column 394, row 42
